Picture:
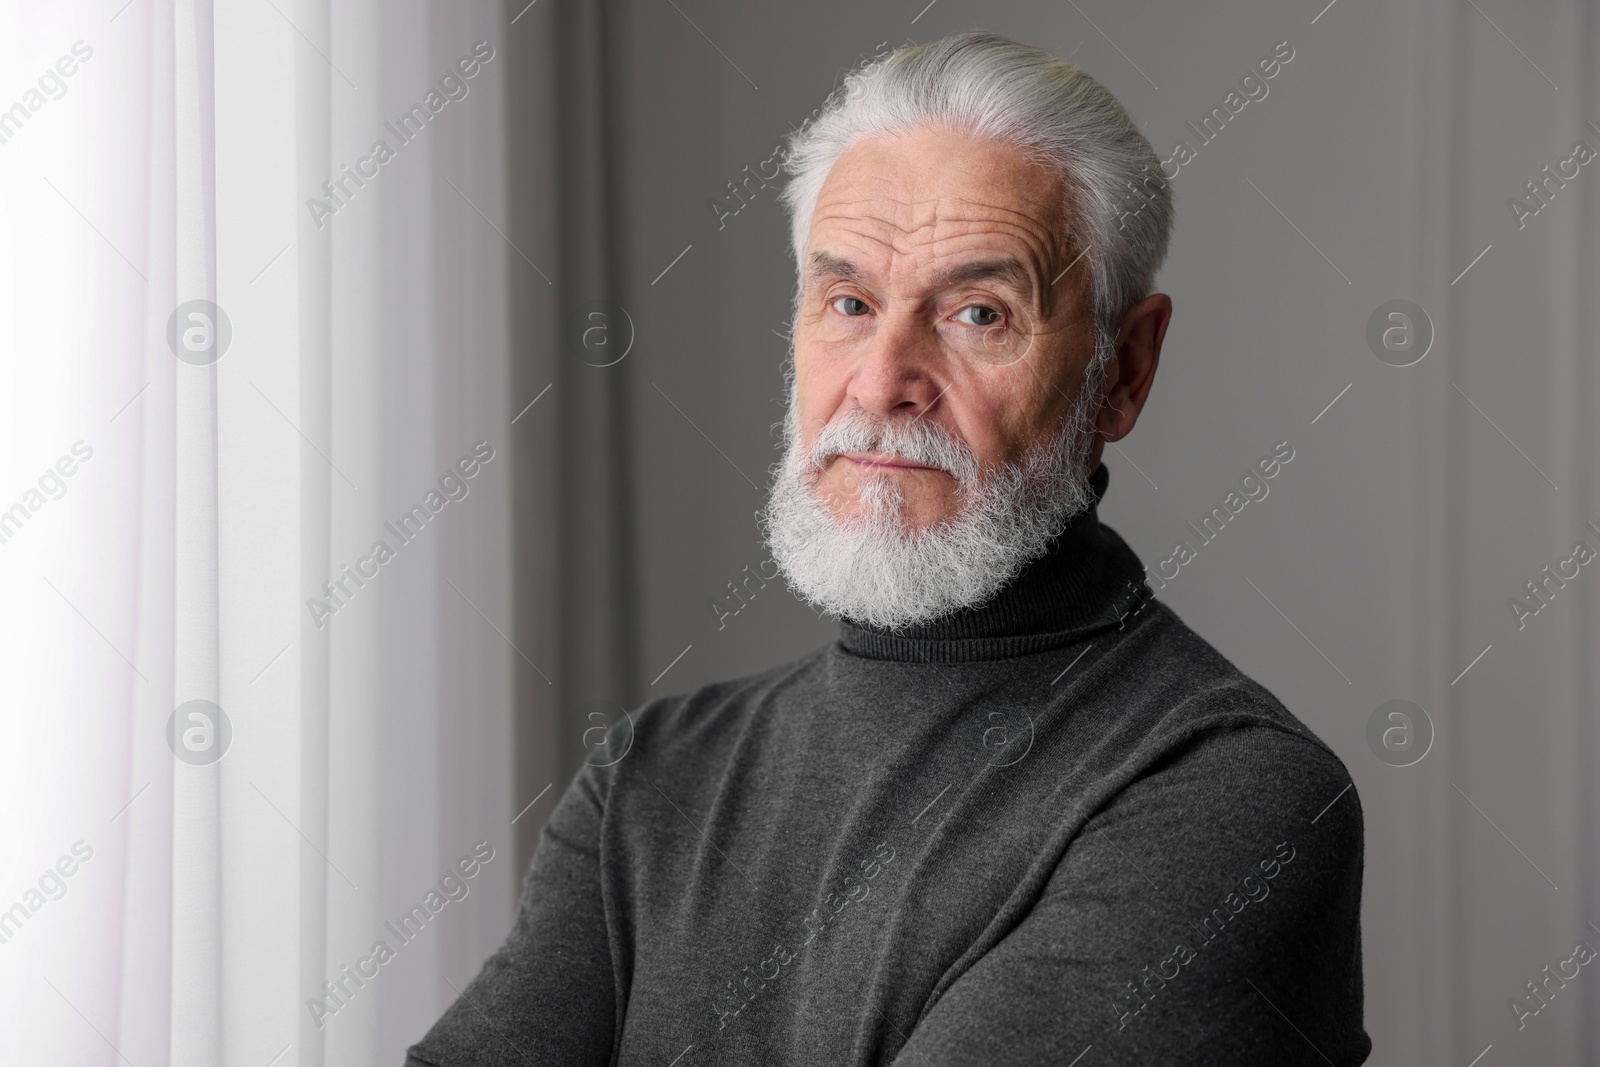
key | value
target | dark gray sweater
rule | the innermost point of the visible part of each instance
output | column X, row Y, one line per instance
column 1059, row 828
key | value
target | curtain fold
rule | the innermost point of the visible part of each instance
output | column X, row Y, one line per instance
column 197, row 796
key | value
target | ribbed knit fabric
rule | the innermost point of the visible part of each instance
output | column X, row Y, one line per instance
column 1056, row 825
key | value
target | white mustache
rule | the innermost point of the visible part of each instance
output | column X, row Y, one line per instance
column 916, row 440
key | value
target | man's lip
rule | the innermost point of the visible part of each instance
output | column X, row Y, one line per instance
column 884, row 459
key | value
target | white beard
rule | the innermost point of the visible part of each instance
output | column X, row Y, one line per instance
column 875, row 569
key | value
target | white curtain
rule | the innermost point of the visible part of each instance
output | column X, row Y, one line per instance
column 222, row 782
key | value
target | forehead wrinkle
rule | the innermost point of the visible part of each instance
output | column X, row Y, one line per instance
column 1020, row 227
column 929, row 222
column 936, row 230
column 1039, row 190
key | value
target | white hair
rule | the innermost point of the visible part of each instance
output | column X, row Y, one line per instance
column 992, row 88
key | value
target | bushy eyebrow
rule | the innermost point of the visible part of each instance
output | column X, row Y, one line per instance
column 827, row 266
column 1005, row 270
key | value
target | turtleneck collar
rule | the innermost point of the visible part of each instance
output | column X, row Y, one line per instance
column 1087, row 578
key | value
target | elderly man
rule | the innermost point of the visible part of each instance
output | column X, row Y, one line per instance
column 1018, row 813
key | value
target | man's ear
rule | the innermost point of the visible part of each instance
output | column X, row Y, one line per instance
column 1133, row 368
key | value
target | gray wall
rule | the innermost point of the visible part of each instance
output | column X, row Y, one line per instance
column 1377, row 168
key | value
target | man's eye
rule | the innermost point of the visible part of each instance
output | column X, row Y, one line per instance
column 981, row 316
column 851, row 306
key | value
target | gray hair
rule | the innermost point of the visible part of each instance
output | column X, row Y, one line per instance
column 992, row 88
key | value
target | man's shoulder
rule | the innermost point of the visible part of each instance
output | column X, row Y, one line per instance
column 1244, row 769
column 1203, row 720
column 1189, row 687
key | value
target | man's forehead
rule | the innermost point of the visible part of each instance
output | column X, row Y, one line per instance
column 899, row 206
column 931, row 221
column 947, row 256
column 912, row 171
column 886, row 211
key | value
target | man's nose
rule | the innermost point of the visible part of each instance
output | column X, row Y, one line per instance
column 894, row 374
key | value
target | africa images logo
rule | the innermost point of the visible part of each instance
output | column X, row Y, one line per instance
column 199, row 332
column 453, row 487
column 199, row 732
column 51, row 86
column 340, row 189
column 453, row 887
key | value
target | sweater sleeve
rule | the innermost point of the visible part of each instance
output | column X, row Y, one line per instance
column 547, row 996
column 1209, row 914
